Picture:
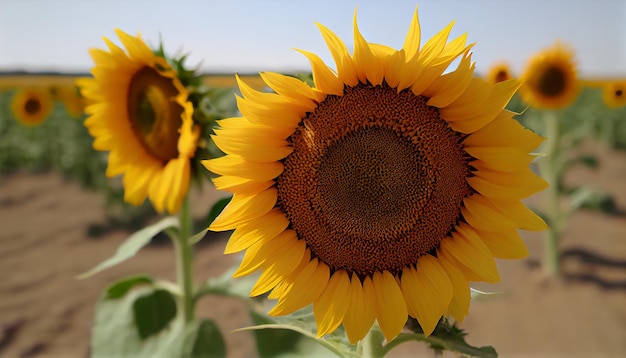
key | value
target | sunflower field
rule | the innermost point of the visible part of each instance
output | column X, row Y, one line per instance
column 364, row 206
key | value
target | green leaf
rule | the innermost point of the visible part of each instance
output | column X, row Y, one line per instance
column 120, row 287
column 153, row 312
column 133, row 244
column 114, row 333
column 445, row 337
column 226, row 285
column 197, row 237
column 204, row 339
column 292, row 338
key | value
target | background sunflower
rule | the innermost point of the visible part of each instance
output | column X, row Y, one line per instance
column 31, row 106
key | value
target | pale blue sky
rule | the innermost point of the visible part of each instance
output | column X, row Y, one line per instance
column 251, row 36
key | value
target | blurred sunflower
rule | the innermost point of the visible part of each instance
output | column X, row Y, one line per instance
column 139, row 112
column 380, row 192
column 31, row 106
column 499, row 72
column 550, row 79
column 614, row 93
column 73, row 102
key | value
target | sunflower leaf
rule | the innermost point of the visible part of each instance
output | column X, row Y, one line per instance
column 133, row 244
column 115, row 333
column 204, row 339
column 445, row 337
column 120, row 287
column 290, row 339
column 153, row 312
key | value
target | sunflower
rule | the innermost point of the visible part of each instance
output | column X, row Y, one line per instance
column 73, row 102
column 550, row 80
column 380, row 192
column 614, row 94
column 31, row 106
column 139, row 112
column 499, row 72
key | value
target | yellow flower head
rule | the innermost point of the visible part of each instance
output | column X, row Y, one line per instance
column 499, row 72
column 614, row 93
column 73, row 102
column 550, row 80
column 31, row 106
column 380, row 192
column 139, row 112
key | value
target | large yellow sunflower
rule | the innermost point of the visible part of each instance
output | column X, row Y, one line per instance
column 550, row 79
column 499, row 72
column 139, row 112
column 381, row 192
column 31, row 106
column 614, row 93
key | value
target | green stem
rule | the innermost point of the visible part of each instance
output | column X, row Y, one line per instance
column 551, row 172
column 371, row 346
column 184, row 258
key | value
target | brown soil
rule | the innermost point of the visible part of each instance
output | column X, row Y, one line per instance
column 46, row 312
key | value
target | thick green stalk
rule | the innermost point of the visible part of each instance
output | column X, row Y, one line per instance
column 371, row 346
column 551, row 172
column 184, row 259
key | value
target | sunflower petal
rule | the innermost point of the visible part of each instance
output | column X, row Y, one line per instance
column 243, row 208
column 360, row 315
column 504, row 244
column 346, row 69
column 468, row 249
column 427, row 292
column 275, row 275
column 460, row 302
column 238, row 166
column 515, row 185
column 331, row 306
column 324, row 78
column 411, row 45
column 390, row 308
column 368, row 66
column 503, row 159
column 504, row 132
column 306, row 288
column 266, row 226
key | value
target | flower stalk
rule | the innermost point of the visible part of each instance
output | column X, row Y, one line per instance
column 551, row 172
column 184, row 259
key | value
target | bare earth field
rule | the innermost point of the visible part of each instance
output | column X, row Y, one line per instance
column 46, row 312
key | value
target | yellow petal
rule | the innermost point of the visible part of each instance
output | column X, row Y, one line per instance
column 292, row 87
column 346, row 69
column 243, row 208
column 237, row 166
column 411, row 45
column 507, row 185
column 504, row 132
column 360, row 315
column 427, row 292
column 306, row 288
column 325, row 79
column 449, row 87
column 265, row 226
column 459, row 305
column 331, row 306
column 467, row 248
column 390, row 308
column 503, row 158
column 480, row 214
column 368, row 66
column 280, row 275
column 284, row 252
column 505, row 244
column 240, row 185
column 471, row 102
column 499, row 96
column 272, row 149
column 517, row 212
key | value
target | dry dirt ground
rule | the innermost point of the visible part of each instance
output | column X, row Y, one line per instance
column 46, row 312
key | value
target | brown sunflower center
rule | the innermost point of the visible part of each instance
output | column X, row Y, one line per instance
column 32, row 106
column 619, row 92
column 502, row 75
column 375, row 181
column 154, row 114
column 551, row 82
